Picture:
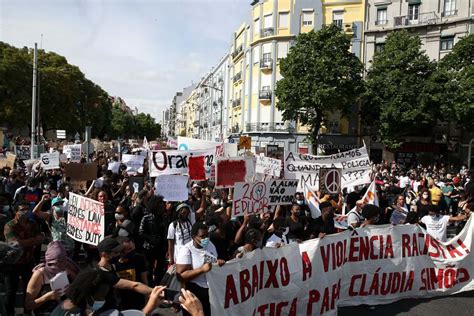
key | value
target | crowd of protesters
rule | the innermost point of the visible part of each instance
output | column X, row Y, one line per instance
column 146, row 235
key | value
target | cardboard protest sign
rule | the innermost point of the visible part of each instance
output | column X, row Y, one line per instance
column 173, row 188
column 373, row 265
column 81, row 171
column 354, row 164
column 329, row 181
column 134, row 163
column 196, row 168
column 256, row 197
column 73, row 152
column 114, row 166
column 177, row 161
column 8, row 161
column 232, row 170
column 85, row 220
column 50, row 161
column 136, row 184
column 23, row 152
column 268, row 166
column 79, row 185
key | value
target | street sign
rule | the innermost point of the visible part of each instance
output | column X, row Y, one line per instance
column 60, row 134
column 329, row 181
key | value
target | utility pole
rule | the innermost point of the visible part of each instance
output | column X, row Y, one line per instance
column 33, row 102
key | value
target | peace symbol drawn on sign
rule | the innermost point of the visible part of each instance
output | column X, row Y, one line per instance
column 332, row 181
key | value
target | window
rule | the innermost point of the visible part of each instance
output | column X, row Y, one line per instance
column 381, row 16
column 379, row 47
column 307, row 18
column 337, row 18
column 268, row 21
column 282, row 50
column 283, row 20
column 413, row 13
column 267, row 57
column 256, row 54
column 449, row 7
column 447, row 43
column 256, row 26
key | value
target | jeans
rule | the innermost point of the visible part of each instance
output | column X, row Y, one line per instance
column 12, row 278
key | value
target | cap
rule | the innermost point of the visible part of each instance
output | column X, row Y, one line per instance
column 181, row 206
column 57, row 201
column 215, row 195
column 109, row 245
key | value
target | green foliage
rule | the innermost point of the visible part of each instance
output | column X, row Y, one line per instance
column 320, row 76
column 455, row 75
column 68, row 100
column 401, row 97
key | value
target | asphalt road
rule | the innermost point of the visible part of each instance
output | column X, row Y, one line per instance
column 455, row 305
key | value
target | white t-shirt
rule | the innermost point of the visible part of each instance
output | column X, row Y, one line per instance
column 274, row 240
column 181, row 235
column 436, row 226
column 354, row 217
column 404, row 181
column 188, row 254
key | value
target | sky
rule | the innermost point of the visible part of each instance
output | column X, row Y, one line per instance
column 142, row 51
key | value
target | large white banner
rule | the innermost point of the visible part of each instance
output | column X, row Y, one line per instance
column 85, row 219
column 355, row 166
column 374, row 265
column 176, row 161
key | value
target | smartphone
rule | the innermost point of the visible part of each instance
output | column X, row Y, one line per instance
column 172, row 295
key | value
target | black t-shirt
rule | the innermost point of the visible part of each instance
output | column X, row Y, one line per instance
column 131, row 269
column 319, row 226
column 222, row 245
column 422, row 209
column 296, row 229
column 111, row 298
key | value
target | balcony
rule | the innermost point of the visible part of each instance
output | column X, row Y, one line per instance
column 236, row 103
column 237, row 77
column 266, row 64
column 269, row 31
column 265, row 95
column 237, row 51
column 428, row 18
column 269, row 127
column 446, row 14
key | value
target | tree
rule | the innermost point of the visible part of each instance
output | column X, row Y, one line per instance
column 145, row 126
column 455, row 77
column 320, row 76
column 400, row 96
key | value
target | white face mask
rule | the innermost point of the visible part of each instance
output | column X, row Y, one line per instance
column 216, row 201
column 119, row 217
column 425, row 196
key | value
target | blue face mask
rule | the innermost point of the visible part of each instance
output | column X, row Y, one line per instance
column 97, row 305
column 204, row 242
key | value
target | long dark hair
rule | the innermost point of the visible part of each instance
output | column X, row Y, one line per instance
column 85, row 285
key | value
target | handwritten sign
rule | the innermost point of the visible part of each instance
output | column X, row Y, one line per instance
column 134, row 163
column 256, row 197
column 268, row 166
column 173, row 188
column 86, row 220
column 23, row 152
column 73, row 152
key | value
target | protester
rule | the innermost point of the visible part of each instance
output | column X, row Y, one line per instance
column 371, row 214
column 253, row 240
column 436, row 193
column 194, row 260
column 324, row 224
column 436, row 224
column 423, row 203
column 179, row 232
column 279, row 237
column 354, row 217
column 39, row 296
column 28, row 235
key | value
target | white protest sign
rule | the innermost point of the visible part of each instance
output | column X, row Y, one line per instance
column 85, row 220
column 268, row 166
column 114, row 166
column 134, row 163
column 256, row 197
column 173, row 188
column 372, row 265
column 354, row 164
column 176, row 161
column 50, row 161
column 73, row 152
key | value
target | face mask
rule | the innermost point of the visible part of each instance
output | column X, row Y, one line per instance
column 204, row 242
column 58, row 209
column 31, row 188
column 97, row 305
column 47, row 186
column 300, row 202
column 425, row 196
column 216, row 201
column 119, row 217
column 67, row 189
